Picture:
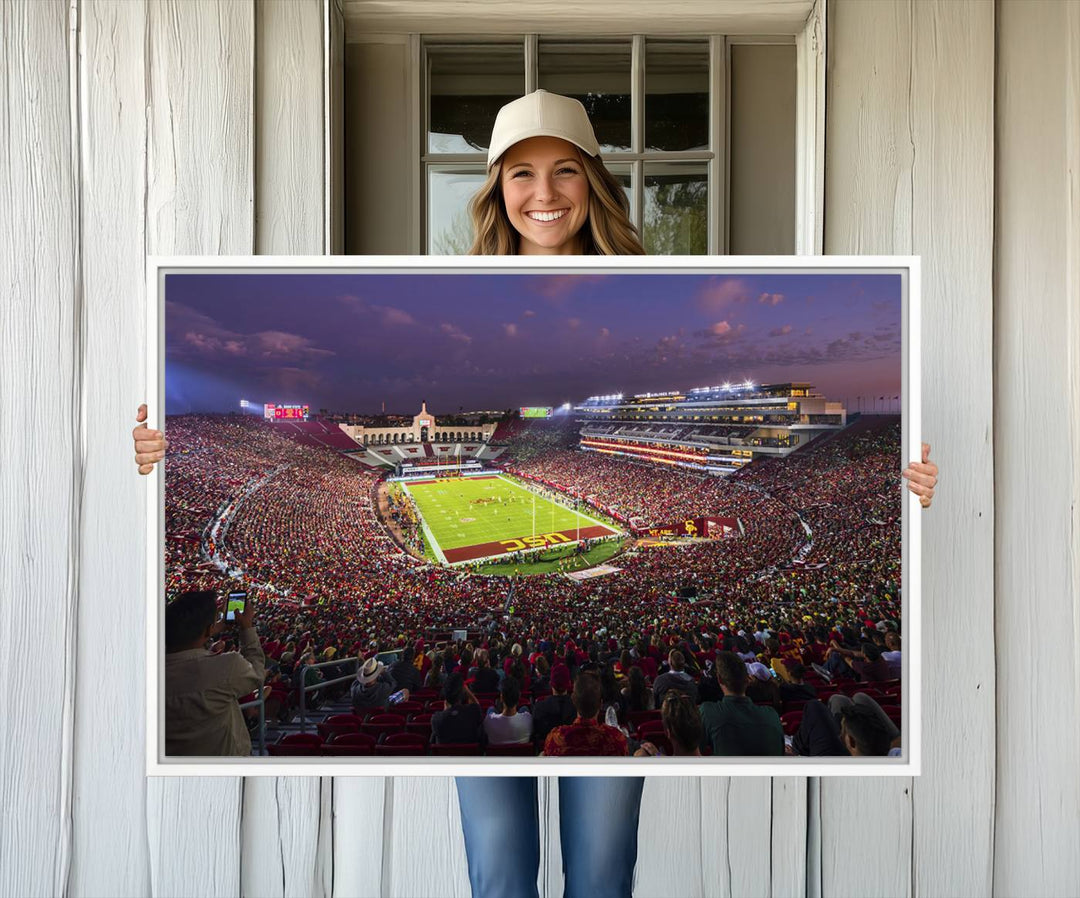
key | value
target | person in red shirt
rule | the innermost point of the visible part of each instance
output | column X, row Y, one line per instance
column 586, row 735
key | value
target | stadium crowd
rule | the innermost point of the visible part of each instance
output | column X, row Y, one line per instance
column 813, row 580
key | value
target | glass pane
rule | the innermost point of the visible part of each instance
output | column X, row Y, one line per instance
column 676, row 95
column 467, row 85
column 597, row 74
column 449, row 191
column 676, row 209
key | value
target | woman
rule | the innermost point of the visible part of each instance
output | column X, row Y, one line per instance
column 547, row 193
column 639, row 697
column 682, row 726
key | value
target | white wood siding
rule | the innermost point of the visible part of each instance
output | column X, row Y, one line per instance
column 909, row 150
column 1037, row 374
column 179, row 127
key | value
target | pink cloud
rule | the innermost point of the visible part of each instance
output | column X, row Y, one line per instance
column 718, row 293
column 455, row 333
column 720, row 329
column 771, row 299
column 394, row 317
column 510, row 330
column 780, row 331
column 557, row 288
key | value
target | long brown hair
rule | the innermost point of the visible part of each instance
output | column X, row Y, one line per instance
column 608, row 230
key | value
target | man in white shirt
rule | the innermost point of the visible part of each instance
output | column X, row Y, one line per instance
column 511, row 727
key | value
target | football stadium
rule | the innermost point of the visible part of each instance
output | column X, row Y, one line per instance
column 632, row 536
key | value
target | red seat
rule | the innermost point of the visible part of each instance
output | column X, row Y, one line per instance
column 296, row 745
column 524, row 750
column 379, row 724
column 635, row 718
column 350, row 745
column 420, row 724
column 648, row 727
column 402, row 744
column 791, row 721
column 409, row 707
column 455, row 749
column 338, row 723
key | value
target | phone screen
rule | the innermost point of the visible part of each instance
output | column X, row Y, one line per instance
column 235, row 603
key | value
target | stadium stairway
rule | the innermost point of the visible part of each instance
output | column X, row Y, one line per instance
column 275, row 730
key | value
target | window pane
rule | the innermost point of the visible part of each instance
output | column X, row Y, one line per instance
column 467, row 84
column 676, row 95
column 597, row 74
column 676, row 209
column 449, row 192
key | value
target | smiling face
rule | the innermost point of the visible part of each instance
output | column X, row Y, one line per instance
column 546, row 195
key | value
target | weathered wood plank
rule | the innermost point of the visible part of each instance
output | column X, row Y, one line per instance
column 279, row 833
column 110, row 768
column 200, row 185
column 199, row 200
column 423, row 845
column 673, row 836
column 952, row 80
column 868, row 197
column 1037, row 451
column 289, row 127
column 361, row 816
column 40, row 447
column 281, row 816
column 910, row 160
column 789, row 821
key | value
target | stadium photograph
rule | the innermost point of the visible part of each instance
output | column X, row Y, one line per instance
column 523, row 515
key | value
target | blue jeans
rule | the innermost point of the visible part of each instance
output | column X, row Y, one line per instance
column 598, row 823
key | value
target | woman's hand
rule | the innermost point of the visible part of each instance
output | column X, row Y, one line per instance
column 150, row 445
column 922, row 477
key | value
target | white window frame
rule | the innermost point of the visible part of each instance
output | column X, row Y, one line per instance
column 809, row 42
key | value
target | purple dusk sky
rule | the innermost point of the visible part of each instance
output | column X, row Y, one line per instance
column 349, row 342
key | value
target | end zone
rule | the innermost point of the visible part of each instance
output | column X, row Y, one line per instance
column 508, row 546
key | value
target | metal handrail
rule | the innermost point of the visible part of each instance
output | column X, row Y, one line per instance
column 304, row 690
column 261, row 702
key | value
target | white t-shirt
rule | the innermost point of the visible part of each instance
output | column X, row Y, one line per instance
column 514, row 730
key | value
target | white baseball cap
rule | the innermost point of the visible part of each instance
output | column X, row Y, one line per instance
column 541, row 114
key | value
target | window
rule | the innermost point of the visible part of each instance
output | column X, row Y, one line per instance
column 660, row 108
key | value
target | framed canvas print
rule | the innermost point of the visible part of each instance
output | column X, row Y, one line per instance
column 506, row 516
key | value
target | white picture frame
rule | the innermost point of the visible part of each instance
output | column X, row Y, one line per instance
column 907, row 765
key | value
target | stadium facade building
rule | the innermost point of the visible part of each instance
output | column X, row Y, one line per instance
column 713, row 430
column 424, row 429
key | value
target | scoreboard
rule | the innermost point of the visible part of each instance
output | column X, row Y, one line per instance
column 273, row 412
column 535, row 411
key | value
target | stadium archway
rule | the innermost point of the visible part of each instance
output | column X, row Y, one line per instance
column 423, row 434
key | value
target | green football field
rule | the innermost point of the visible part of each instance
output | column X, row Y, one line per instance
column 470, row 518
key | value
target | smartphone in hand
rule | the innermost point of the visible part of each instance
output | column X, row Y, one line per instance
column 235, row 603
